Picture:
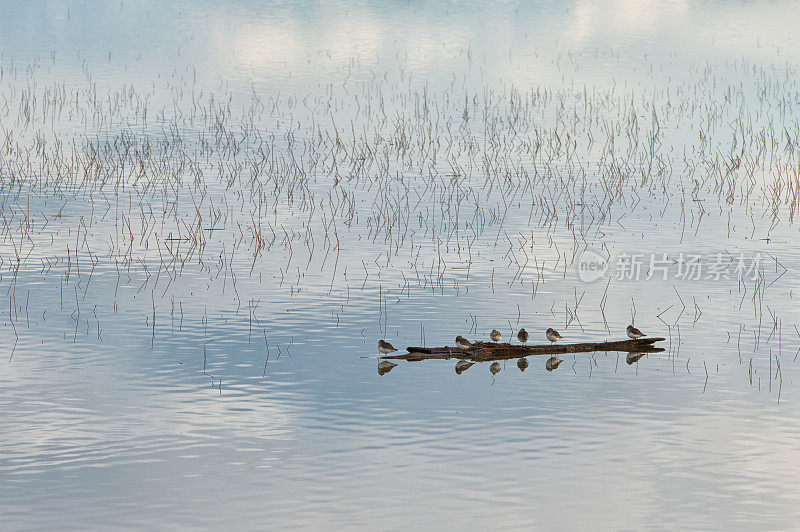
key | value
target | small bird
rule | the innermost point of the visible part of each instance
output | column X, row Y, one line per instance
column 385, row 367
column 385, row 347
column 522, row 364
column 463, row 343
column 552, row 363
column 553, row 335
column 462, row 366
column 495, row 335
column 634, row 333
column 495, row 368
column 522, row 336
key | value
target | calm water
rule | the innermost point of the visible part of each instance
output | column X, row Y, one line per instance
column 213, row 212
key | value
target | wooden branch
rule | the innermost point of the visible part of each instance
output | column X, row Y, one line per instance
column 486, row 351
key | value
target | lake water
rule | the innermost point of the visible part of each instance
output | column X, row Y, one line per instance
column 212, row 212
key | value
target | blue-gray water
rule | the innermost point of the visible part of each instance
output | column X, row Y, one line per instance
column 213, row 211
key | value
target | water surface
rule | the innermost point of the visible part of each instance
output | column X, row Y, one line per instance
column 212, row 212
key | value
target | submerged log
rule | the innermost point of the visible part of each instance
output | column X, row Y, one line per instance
column 486, row 351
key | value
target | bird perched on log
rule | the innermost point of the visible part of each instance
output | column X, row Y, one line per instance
column 495, row 368
column 553, row 335
column 495, row 335
column 385, row 347
column 522, row 336
column 634, row 333
column 463, row 343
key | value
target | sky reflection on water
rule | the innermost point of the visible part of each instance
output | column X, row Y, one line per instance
column 110, row 420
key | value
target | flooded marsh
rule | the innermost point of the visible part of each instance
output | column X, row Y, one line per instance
column 211, row 214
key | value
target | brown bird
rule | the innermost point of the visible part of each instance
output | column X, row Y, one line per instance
column 634, row 333
column 463, row 343
column 553, row 335
column 495, row 368
column 522, row 364
column 495, row 336
column 522, row 336
column 385, row 347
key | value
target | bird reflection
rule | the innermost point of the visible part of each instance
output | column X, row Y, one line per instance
column 522, row 364
column 552, row 363
column 385, row 367
column 495, row 368
column 633, row 357
column 462, row 366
